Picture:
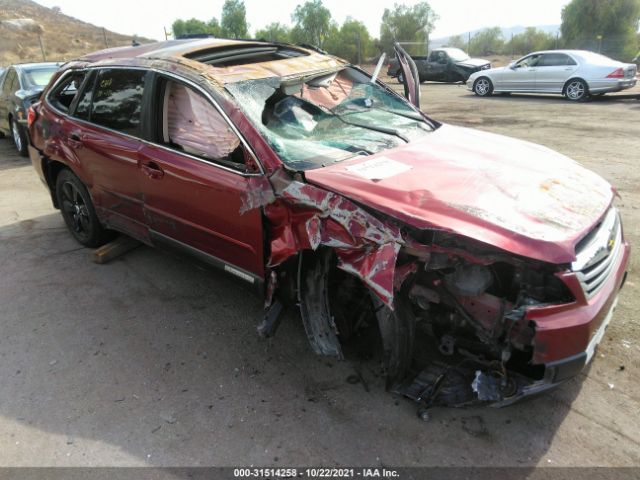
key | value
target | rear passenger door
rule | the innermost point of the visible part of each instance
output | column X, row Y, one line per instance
column 194, row 174
column 553, row 71
column 106, row 137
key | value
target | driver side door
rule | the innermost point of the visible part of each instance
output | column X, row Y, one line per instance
column 521, row 76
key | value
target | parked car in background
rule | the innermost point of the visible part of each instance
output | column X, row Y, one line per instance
column 20, row 87
column 576, row 74
column 441, row 65
column 494, row 263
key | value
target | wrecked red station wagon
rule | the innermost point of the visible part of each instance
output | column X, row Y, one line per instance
column 488, row 267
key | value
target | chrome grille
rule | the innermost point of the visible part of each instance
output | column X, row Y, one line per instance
column 596, row 254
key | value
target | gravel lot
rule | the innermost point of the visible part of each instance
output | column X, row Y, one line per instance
column 150, row 360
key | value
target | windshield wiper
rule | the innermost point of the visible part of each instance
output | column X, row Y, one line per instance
column 388, row 131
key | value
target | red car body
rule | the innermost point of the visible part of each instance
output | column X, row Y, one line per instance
column 411, row 223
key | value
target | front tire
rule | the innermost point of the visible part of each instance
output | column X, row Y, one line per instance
column 78, row 211
column 483, row 87
column 19, row 138
column 400, row 77
column 576, row 90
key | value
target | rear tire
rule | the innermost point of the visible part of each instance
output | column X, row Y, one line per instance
column 78, row 211
column 19, row 137
column 483, row 87
column 576, row 90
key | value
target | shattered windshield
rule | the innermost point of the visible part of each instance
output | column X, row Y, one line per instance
column 313, row 122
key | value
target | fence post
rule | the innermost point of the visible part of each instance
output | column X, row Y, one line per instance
column 44, row 57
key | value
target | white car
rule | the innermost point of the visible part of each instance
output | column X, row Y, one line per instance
column 573, row 73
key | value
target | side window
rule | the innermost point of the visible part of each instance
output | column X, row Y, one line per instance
column 83, row 103
column 530, row 61
column 117, row 100
column 553, row 60
column 190, row 123
column 433, row 57
column 64, row 94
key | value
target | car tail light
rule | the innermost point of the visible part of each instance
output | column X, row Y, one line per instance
column 31, row 115
column 617, row 73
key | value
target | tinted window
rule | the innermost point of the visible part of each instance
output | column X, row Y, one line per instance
column 117, row 100
column 83, row 105
column 555, row 60
column 64, row 94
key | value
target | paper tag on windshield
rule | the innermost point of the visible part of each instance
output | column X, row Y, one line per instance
column 379, row 168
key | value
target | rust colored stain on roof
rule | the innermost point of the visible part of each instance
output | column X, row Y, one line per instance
column 176, row 51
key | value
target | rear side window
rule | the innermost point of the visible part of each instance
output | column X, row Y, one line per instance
column 64, row 94
column 117, row 100
column 83, row 104
column 555, row 60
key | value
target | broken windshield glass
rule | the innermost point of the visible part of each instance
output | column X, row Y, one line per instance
column 314, row 122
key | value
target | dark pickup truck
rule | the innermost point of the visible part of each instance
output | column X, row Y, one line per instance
column 442, row 65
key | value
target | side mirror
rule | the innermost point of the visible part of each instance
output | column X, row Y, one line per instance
column 514, row 66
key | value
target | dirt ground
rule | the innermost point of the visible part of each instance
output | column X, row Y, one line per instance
column 151, row 360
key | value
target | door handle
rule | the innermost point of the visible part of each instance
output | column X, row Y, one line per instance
column 152, row 170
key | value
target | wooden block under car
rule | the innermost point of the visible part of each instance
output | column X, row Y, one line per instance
column 113, row 249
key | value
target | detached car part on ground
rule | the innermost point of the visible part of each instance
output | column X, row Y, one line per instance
column 576, row 74
column 441, row 65
column 489, row 267
column 20, row 87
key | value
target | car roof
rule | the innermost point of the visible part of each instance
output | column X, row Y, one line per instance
column 187, row 51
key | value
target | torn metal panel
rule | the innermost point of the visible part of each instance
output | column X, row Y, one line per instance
column 306, row 217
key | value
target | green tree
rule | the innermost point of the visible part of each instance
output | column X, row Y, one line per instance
column 457, row 41
column 530, row 40
column 194, row 26
column 487, row 42
column 312, row 23
column 351, row 42
column 234, row 19
column 407, row 24
column 274, row 32
column 608, row 26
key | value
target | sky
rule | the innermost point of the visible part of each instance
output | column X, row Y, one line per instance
column 146, row 18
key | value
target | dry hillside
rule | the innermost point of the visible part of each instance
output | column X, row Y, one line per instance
column 63, row 37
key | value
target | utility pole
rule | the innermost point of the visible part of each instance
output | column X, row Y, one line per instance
column 469, row 42
column 104, row 35
column 44, row 57
column 557, row 39
column 166, row 34
column 359, row 49
column 599, row 37
column 512, row 54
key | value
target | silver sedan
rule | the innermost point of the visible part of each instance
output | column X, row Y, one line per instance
column 575, row 74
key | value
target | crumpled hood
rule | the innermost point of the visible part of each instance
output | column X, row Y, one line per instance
column 473, row 62
column 521, row 197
